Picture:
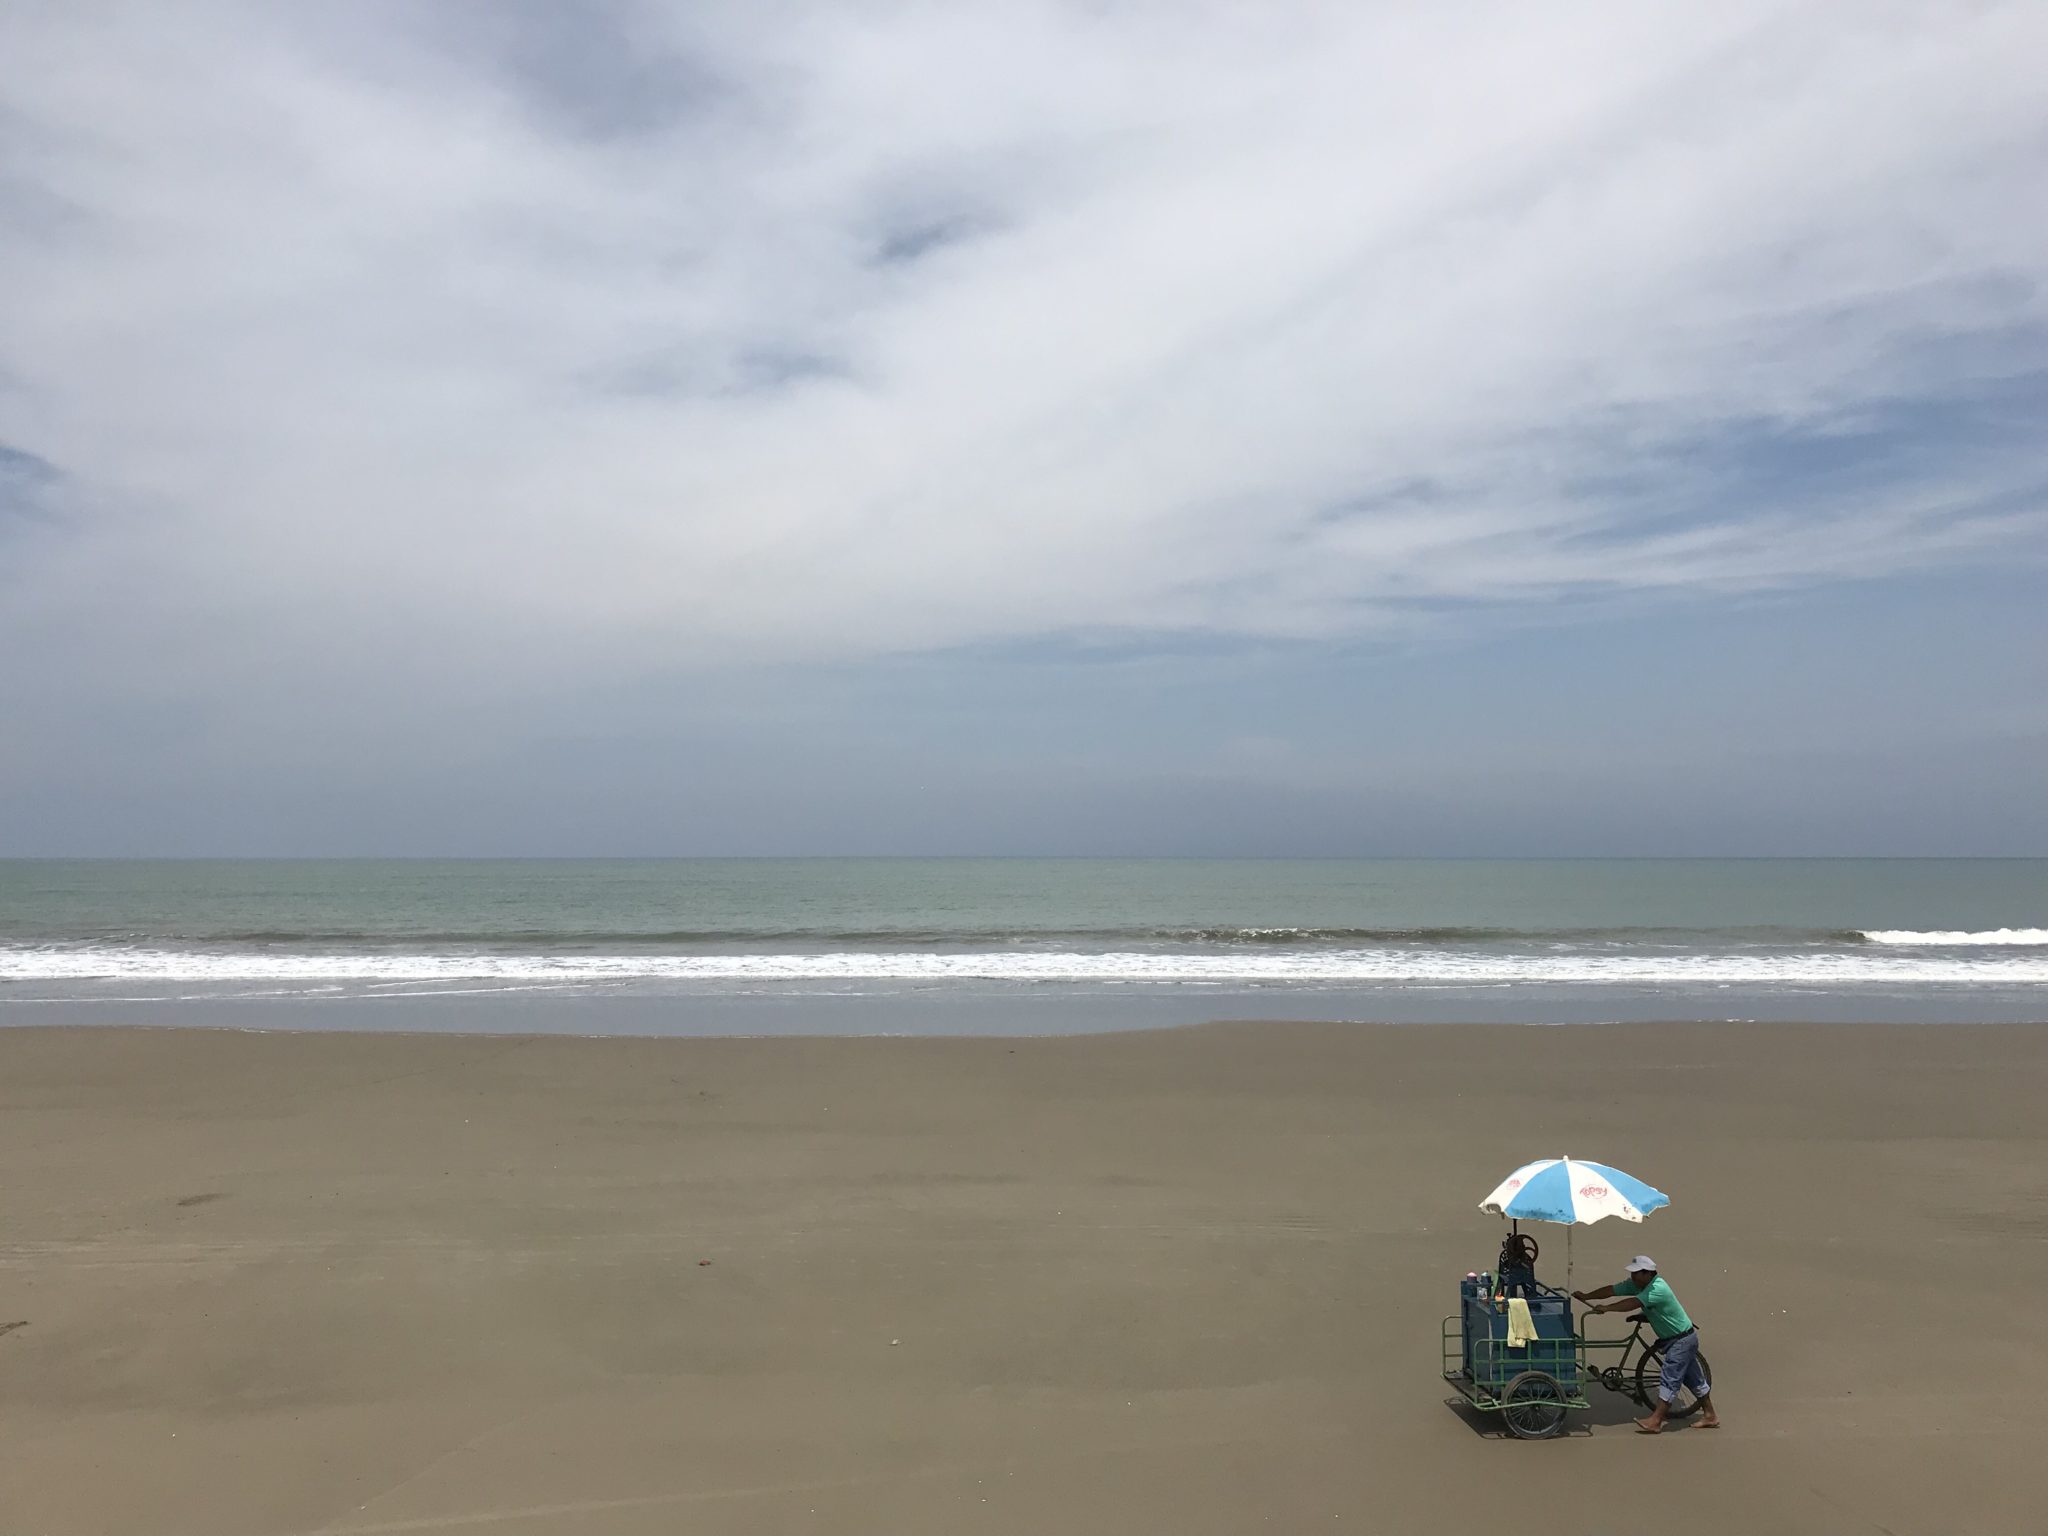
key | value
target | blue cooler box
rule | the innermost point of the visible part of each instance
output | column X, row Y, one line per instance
column 1488, row 1360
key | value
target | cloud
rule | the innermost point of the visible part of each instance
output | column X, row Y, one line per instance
column 25, row 483
column 533, row 336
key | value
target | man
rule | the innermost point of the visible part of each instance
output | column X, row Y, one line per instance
column 1644, row 1288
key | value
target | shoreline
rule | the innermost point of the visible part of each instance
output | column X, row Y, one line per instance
column 797, row 1037
column 1017, row 1012
column 1185, row 1279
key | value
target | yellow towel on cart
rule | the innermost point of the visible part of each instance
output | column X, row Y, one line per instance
column 1521, row 1326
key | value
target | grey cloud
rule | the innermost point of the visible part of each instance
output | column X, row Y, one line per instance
column 913, row 240
column 718, row 372
column 767, row 368
column 596, row 69
column 1418, row 491
column 25, row 483
column 32, row 211
column 547, row 341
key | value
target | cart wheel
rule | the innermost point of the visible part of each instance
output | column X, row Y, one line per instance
column 1650, row 1368
column 1533, row 1404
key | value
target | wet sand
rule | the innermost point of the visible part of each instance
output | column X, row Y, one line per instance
column 1185, row 1281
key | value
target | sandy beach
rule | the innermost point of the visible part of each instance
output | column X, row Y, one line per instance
column 1183, row 1281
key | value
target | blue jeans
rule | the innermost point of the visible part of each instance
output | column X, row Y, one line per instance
column 1682, row 1368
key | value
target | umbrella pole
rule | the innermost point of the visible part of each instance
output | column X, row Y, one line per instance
column 1567, row 1259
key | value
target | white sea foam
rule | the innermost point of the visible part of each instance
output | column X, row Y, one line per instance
column 1954, row 938
column 1371, row 966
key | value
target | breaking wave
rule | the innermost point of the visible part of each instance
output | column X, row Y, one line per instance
column 554, row 940
column 100, row 963
column 1956, row 939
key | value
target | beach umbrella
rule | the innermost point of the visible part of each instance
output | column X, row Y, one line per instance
column 1574, row 1192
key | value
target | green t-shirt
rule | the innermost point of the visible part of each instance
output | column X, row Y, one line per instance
column 1667, row 1317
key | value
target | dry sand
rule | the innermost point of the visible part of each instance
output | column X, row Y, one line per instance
column 1172, row 1282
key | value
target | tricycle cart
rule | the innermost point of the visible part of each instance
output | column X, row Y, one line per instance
column 1532, row 1384
column 1533, row 1370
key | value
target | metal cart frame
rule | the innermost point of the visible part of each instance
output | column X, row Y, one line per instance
column 1533, row 1401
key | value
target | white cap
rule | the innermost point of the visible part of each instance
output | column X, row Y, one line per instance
column 1641, row 1262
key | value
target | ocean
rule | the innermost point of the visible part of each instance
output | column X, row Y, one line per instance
column 1014, row 945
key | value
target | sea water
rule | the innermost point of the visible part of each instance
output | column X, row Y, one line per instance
column 940, row 945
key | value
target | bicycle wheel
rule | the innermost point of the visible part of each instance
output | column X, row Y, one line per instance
column 1651, row 1367
column 1533, row 1405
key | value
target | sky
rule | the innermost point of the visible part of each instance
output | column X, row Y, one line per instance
column 1110, row 427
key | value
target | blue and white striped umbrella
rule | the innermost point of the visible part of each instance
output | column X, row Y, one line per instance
column 1573, row 1191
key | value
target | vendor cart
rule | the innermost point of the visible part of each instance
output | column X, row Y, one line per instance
column 1532, row 1384
column 1534, row 1380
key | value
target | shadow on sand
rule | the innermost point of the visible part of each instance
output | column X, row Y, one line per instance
column 1608, row 1410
